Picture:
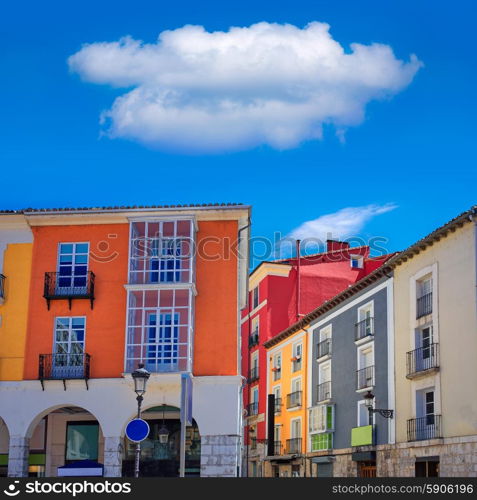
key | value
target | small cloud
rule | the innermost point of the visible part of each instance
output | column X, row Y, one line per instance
column 209, row 92
column 341, row 225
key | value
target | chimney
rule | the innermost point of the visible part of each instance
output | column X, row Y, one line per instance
column 336, row 245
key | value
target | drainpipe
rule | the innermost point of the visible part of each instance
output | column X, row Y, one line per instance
column 298, row 290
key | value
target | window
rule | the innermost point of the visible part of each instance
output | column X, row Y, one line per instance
column 324, row 381
column 159, row 330
column 364, row 326
column 81, row 441
column 427, row 467
column 254, row 400
column 254, row 373
column 295, row 471
column 161, row 252
column 68, row 351
column 356, row 261
column 277, row 366
column 365, row 373
column 296, row 385
column 297, row 357
column 296, row 428
column 322, row 441
column 324, row 342
column 424, row 296
column 254, row 338
column 294, row 398
column 255, row 298
column 277, row 392
column 425, row 356
column 72, row 266
column 364, row 416
column 321, row 418
column 277, row 439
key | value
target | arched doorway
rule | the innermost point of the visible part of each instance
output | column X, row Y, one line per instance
column 62, row 436
column 162, row 459
column 4, row 444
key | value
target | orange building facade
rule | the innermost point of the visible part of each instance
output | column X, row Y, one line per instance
column 109, row 289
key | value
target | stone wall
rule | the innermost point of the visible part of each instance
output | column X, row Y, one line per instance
column 219, row 456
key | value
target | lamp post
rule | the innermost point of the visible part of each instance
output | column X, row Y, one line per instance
column 368, row 401
column 140, row 377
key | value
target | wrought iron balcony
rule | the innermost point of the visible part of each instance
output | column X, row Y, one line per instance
column 252, row 409
column 278, row 405
column 324, row 348
column 364, row 328
column 58, row 286
column 253, row 339
column 277, row 445
column 422, row 360
column 293, row 445
column 424, row 305
column 64, row 367
column 253, row 374
column 2, row 288
column 365, row 378
column 324, row 391
column 422, row 428
column 294, row 399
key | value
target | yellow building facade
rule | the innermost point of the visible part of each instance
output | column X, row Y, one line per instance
column 287, row 379
column 15, row 270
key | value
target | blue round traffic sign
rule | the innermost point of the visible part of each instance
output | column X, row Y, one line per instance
column 137, row 430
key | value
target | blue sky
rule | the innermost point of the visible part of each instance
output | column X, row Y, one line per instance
column 413, row 150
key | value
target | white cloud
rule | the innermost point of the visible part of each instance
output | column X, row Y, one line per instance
column 345, row 223
column 269, row 84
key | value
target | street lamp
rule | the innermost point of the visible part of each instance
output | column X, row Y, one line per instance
column 368, row 401
column 163, row 431
column 140, row 377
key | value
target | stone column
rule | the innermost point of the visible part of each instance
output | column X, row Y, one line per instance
column 18, row 452
column 219, row 455
column 113, row 456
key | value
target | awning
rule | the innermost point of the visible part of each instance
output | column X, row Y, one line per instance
column 84, row 468
column 323, row 460
column 280, row 458
column 363, row 456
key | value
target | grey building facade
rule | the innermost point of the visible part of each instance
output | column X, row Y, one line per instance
column 351, row 355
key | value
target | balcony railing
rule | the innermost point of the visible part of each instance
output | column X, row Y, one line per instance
column 277, row 447
column 324, row 348
column 253, row 374
column 424, row 305
column 422, row 359
column 58, row 286
column 293, row 445
column 324, row 391
column 64, row 367
column 252, row 409
column 365, row 378
column 253, row 340
column 278, row 405
column 428, row 427
column 294, row 399
column 2, row 288
column 364, row 328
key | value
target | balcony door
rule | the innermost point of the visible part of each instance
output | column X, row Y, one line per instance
column 162, row 341
column 425, row 412
column 72, row 268
column 424, row 340
column 68, row 352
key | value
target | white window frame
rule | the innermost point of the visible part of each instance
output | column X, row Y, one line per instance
column 257, row 291
column 292, row 423
column 254, row 360
column 356, row 258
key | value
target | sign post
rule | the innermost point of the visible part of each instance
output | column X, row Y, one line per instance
column 137, row 430
column 186, row 416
